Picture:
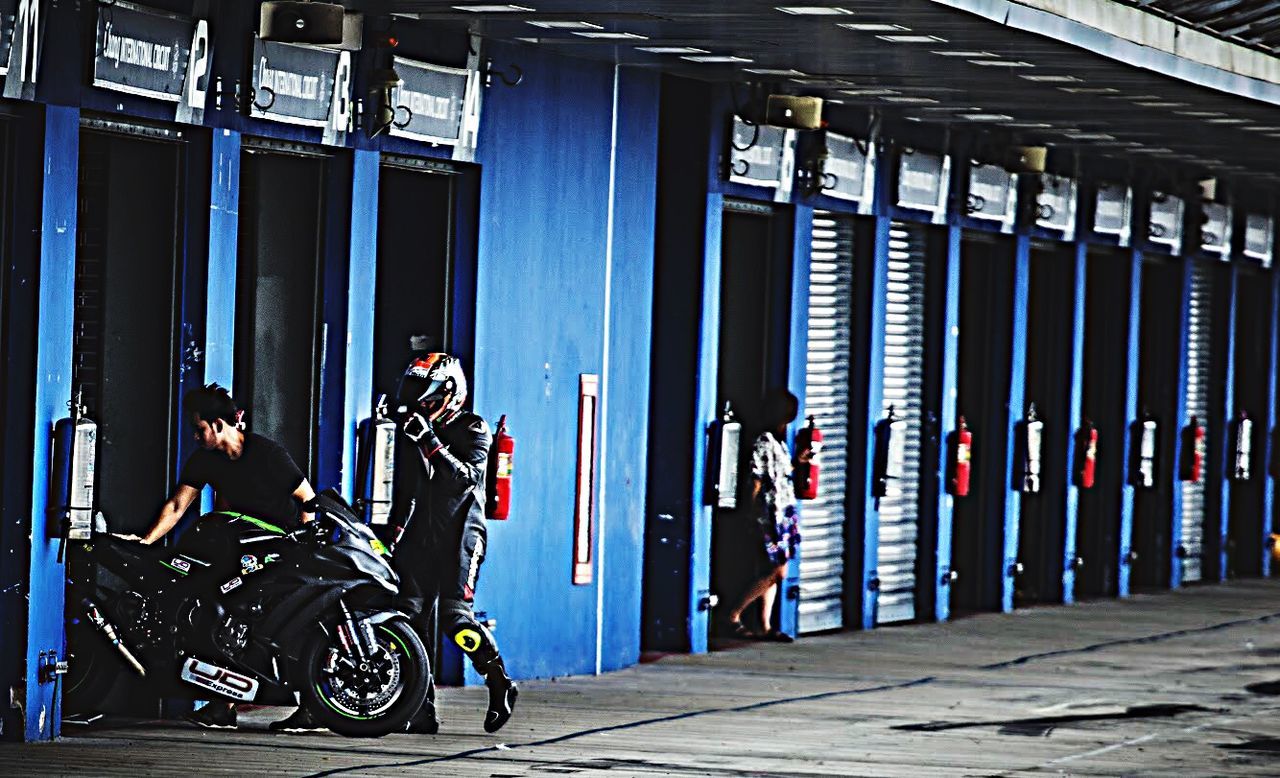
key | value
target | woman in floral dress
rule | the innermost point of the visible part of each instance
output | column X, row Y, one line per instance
column 774, row 499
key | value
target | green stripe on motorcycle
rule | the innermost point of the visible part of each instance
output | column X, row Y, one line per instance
column 259, row 523
column 174, row 569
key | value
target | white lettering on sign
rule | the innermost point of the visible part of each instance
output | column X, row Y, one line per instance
column 760, row 155
column 919, row 179
column 122, row 49
column 286, row 84
column 846, row 169
column 429, row 106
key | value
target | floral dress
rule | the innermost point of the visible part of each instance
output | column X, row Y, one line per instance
column 771, row 463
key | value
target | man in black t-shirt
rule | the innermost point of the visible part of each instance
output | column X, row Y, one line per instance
column 249, row 474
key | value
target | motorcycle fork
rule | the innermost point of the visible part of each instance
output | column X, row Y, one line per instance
column 356, row 636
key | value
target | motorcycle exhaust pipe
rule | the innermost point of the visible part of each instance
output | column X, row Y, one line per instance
column 109, row 631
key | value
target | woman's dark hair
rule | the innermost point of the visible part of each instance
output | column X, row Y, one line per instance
column 209, row 403
column 779, row 408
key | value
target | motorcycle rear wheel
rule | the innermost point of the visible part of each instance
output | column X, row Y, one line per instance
column 399, row 683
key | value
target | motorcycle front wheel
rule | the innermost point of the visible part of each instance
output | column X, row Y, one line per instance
column 367, row 697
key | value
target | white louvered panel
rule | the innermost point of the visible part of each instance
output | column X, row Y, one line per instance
column 1199, row 384
column 904, row 392
column 827, row 400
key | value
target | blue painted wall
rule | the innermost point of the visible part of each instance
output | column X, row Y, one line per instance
column 53, row 390
column 545, row 148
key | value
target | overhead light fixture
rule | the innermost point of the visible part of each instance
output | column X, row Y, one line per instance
column 1089, row 136
column 1001, row 63
column 1158, row 104
column 770, row 71
column 871, row 92
column 718, row 58
column 965, row 54
column 564, row 25
column 1227, row 120
column 613, row 36
column 1200, row 114
column 911, row 38
column 1049, row 79
column 1028, row 125
column 672, row 50
column 987, row 117
column 494, row 9
column 1090, row 90
column 875, row 27
column 813, row 10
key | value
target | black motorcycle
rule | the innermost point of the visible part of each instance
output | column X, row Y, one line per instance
column 247, row 612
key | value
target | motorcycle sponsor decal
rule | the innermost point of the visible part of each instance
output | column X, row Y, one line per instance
column 219, row 679
column 378, row 546
column 177, row 565
column 200, row 562
column 271, row 558
column 249, row 564
column 232, row 584
column 467, row 639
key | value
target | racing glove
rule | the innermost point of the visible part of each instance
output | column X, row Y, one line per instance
column 421, row 431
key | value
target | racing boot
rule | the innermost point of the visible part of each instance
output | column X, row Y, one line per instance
column 502, row 697
column 299, row 721
column 425, row 722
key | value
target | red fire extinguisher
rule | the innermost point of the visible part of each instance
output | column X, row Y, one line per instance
column 501, row 462
column 1087, row 445
column 1194, row 446
column 807, row 472
column 962, row 469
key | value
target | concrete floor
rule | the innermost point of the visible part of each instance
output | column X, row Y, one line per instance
column 1183, row 683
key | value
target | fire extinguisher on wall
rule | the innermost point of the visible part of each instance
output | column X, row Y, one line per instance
column 806, row 473
column 1031, row 442
column 501, row 465
column 962, row 462
column 1086, row 455
column 1243, row 469
column 1194, row 448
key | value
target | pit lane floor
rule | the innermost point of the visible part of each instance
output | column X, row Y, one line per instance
column 1178, row 683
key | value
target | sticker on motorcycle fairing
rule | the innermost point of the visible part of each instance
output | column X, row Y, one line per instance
column 200, row 562
column 271, row 558
column 181, row 564
column 248, row 560
column 221, row 680
column 232, row 584
column 250, row 569
column 378, row 546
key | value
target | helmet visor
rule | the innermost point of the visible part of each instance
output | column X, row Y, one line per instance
column 422, row 393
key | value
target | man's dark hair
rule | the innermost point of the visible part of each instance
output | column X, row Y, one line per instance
column 209, row 403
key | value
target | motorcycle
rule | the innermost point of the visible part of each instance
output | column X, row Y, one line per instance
column 244, row 611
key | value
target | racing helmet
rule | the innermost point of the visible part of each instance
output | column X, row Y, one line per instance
column 434, row 385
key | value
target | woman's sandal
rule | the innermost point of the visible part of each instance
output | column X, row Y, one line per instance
column 737, row 630
column 778, row 637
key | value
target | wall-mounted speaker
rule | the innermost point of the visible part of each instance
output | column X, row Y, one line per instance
column 1025, row 159
column 793, row 113
column 289, row 21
